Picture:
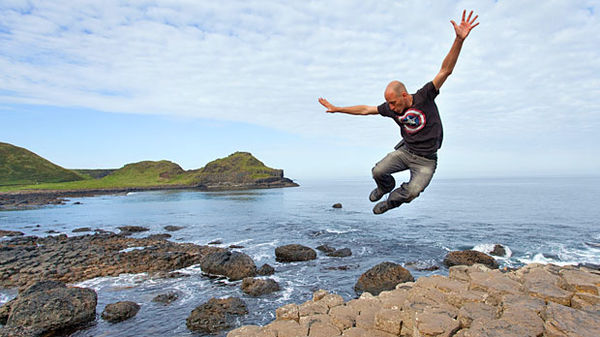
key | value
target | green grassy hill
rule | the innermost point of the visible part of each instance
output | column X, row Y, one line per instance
column 239, row 167
column 19, row 166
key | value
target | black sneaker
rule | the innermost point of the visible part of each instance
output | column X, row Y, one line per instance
column 381, row 207
column 375, row 195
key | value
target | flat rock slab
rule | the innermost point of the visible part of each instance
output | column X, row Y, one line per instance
column 25, row 260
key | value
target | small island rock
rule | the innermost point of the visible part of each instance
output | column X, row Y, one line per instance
column 498, row 250
column 216, row 315
column 265, row 270
column 337, row 205
column 257, row 287
column 344, row 252
column 233, row 265
column 294, row 252
column 120, row 311
column 384, row 276
column 469, row 258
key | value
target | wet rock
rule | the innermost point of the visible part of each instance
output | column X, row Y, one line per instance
column 216, row 242
column 236, row 246
column 468, row 258
column 257, row 287
column 294, row 252
column 344, row 252
column 167, row 298
column 120, row 311
column 10, row 233
column 337, row 205
column 216, row 315
column 128, row 230
column 326, row 249
column 233, row 265
column 498, row 250
column 48, row 306
column 265, row 270
column 51, row 231
column 77, row 203
column 164, row 236
column 24, row 260
column 384, row 276
column 82, row 229
column 171, row 228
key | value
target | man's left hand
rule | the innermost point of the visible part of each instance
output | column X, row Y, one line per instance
column 463, row 30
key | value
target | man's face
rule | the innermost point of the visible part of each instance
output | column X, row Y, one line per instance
column 396, row 102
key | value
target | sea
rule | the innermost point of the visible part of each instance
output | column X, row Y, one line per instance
column 541, row 220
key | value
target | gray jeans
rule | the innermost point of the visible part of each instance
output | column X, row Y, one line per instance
column 421, row 172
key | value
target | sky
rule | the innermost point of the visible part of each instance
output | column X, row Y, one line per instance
column 99, row 84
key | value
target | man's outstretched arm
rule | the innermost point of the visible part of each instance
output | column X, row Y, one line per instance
column 352, row 110
column 462, row 31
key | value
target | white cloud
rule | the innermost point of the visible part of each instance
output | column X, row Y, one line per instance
column 527, row 74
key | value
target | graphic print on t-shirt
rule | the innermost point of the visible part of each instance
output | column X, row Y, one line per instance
column 412, row 120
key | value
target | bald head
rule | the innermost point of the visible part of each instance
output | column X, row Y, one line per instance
column 395, row 87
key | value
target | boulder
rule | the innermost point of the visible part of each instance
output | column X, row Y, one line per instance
column 167, row 298
column 82, row 229
column 344, row 252
column 173, row 228
column 257, row 287
column 128, row 230
column 294, row 252
column 10, row 233
column 163, row 236
column 337, row 205
column 384, row 276
column 326, row 249
column 216, row 315
column 469, row 258
column 265, row 270
column 49, row 306
column 120, row 311
column 498, row 250
column 233, row 265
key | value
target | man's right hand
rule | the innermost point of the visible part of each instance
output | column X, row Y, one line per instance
column 330, row 107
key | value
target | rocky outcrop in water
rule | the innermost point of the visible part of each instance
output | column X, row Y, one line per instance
column 233, row 265
column 167, row 298
column 24, row 260
column 344, row 252
column 294, row 253
column 265, row 270
column 536, row 300
column 47, row 307
column 216, row 315
column 258, row 287
column 120, row 311
column 384, row 276
column 10, row 233
column 469, row 258
column 498, row 250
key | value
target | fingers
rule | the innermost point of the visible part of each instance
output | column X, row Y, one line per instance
column 469, row 18
column 464, row 12
column 475, row 18
column 475, row 25
column 453, row 23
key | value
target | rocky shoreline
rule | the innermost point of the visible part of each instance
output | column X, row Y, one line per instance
column 34, row 198
column 473, row 300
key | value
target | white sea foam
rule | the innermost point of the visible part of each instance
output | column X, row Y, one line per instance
column 130, row 249
column 339, row 231
column 540, row 258
column 5, row 298
column 121, row 281
column 131, row 193
column 489, row 247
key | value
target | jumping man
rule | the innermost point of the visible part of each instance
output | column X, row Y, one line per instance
column 420, row 127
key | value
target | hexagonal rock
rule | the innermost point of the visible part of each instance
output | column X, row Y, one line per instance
column 252, row 331
column 430, row 323
column 469, row 258
column 343, row 316
column 497, row 327
column 319, row 326
column 564, row 321
column 360, row 332
column 257, row 287
column 120, row 311
column 287, row 328
column 389, row 320
column 384, row 276
column 545, row 285
column 581, row 281
column 473, row 311
column 294, row 252
column 288, row 312
column 233, row 265
column 216, row 314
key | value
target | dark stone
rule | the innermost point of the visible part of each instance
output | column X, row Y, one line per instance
column 216, row 242
column 498, row 251
column 233, row 265
column 77, row 203
column 52, row 231
column 265, row 270
column 132, row 229
column 469, row 258
column 384, row 276
column 294, row 252
column 158, row 236
column 326, row 249
column 48, row 307
column 216, row 315
column 10, row 233
column 173, row 228
column 344, row 252
column 167, row 298
column 236, row 247
column 257, row 287
column 338, row 205
column 82, row 229
column 120, row 311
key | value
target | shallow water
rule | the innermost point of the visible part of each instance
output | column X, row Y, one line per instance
column 538, row 220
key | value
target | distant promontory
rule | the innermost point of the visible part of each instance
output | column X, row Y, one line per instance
column 27, row 179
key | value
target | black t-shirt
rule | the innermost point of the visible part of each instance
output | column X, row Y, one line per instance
column 420, row 124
